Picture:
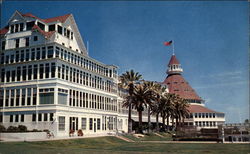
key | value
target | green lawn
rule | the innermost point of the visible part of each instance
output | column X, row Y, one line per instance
column 107, row 145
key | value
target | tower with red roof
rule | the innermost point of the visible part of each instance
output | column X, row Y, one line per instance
column 200, row 116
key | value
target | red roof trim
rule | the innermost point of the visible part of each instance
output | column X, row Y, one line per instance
column 200, row 109
column 49, row 20
column 4, row 31
column 46, row 34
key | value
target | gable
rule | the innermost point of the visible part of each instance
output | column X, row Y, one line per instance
column 16, row 17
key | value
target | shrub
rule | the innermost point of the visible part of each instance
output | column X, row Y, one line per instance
column 79, row 132
column 2, row 128
column 12, row 129
column 22, row 128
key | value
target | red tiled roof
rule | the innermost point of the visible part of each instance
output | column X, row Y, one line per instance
column 178, row 85
column 46, row 34
column 4, row 31
column 199, row 109
column 59, row 18
column 173, row 60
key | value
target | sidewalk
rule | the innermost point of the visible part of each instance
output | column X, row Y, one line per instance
column 54, row 138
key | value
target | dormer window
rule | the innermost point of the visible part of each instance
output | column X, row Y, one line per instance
column 64, row 31
column 59, row 29
column 16, row 28
column 30, row 25
column 68, row 32
column 35, row 38
column 21, row 27
column 42, row 26
column 71, row 36
column 12, row 29
column 52, row 27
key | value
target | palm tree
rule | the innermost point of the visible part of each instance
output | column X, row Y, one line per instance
column 151, row 86
column 166, row 108
column 159, row 91
column 142, row 98
column 180, row 109
column 128, row 81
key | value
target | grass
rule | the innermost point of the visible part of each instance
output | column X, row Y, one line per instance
column 107, row 145
column 151, row 137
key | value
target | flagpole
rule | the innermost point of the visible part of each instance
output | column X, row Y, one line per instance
column 173, row 47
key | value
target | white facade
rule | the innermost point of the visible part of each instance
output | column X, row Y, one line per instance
column 48, row 81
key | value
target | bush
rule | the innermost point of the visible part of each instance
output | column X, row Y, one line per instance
column 2, row 128
column 22, row 128
column 12, row 129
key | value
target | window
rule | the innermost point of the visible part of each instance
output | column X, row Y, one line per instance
column 24, row 73
column 12, row 58
column 17, row 118
column 3, row 45
column 29, row 72
column 45, row 117
column 90, row 123
column 98, row 124
column 84, row 121
column 2, row 58
column 17, row 43
column 23, row 96
column 1, row 98
column 21, row 27
column 22, row 117
column 7, row 98
column 59, row 29
column 2, row 75
column 17, row 56
column 43, row 52
column 35, row 72
column 27, row 55
column 17, row 97
column 50, row 51
column 68, row 33
column 35, row 38
column 38, row 53
column 33, row 54
column 22, row 56
column 41, row 71
column 51, row 116
column 16, row 27
column 47, row 70
column 61, row 123
column 30, row 25
column 47, row 98
column 64, row 31
column 52, row 27
column 53, row 70
column 34, row 96
column 33, row 117
column 62, row 98
column 18, row 73
column 29, row 96
column 27, row 41
column 12, row 29
column 42, row 26
column 71, row 36
column 40, row 117
column 11, row 118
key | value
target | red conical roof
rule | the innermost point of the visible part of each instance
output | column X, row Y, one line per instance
column 173, row 60
column 178, row 85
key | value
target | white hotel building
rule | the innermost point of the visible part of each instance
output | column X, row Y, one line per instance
column 48, row 81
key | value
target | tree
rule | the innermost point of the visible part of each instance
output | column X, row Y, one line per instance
column 142, row 98
column 159, row 92
column 128, row 81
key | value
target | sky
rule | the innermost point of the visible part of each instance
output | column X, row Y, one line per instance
column 211, row 40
